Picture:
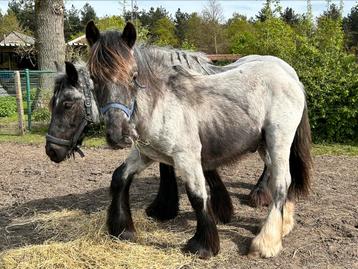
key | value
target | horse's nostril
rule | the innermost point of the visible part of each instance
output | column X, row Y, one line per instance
column 51, row 153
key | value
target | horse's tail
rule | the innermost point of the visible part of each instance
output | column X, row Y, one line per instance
column 300, row 159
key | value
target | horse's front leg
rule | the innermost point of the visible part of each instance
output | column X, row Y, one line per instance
column 119, row 218
column 205, row 242
column 166, row 204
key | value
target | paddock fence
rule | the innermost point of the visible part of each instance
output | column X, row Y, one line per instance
column 34, row 88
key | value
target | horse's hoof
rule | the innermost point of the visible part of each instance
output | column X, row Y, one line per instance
column 260, row 197
column 261, row 247
column 195, row 247
column 122, row 234
column 127, row 235
column 162, row 211
column 121, row 229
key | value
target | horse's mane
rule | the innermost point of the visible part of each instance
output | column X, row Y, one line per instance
column 111, row 59
column 197, row 61
column 153, row 62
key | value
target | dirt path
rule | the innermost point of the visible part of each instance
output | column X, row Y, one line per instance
column 325, row 235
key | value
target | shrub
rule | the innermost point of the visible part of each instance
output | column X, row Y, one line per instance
column 95, row 130
column 8, row 106
column 328, row 73
column 41, row 115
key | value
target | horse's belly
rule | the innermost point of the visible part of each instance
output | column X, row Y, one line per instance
column 222, row 146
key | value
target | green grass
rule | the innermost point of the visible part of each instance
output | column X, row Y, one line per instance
column 39, row 138
column 335, row 149
column 10, row 119
column 94, row 142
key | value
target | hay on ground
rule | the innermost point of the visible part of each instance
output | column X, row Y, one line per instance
column 79, row 240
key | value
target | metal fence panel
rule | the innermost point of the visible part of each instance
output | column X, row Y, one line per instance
column 32, row 92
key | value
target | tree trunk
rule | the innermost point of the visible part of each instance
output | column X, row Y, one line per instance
column 50, row 41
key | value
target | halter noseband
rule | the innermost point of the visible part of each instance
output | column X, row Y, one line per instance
column 125, row 109
column 73, row 143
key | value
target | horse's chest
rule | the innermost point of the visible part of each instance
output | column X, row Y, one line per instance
column 154, row 152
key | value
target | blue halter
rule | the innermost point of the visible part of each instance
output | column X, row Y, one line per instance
column 127, row 110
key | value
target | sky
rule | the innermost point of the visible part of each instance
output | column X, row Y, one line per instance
column 247, row 8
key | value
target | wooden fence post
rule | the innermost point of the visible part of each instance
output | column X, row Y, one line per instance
column 20, row 107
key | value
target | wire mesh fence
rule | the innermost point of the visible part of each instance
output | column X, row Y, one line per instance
column 36, row 88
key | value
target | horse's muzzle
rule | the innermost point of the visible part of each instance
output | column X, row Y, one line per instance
column 56, row 153
column 118, row 142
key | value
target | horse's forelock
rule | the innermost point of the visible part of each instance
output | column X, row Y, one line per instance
column 110, row 59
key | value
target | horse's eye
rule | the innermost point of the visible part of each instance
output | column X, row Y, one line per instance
column 68, row 104
column 135, row 75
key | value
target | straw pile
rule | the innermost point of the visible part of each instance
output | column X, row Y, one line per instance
column 79, row 240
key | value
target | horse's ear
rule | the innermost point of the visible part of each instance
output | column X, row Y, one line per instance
column 59, row 68
column 92, row 33
column 71, row 73
column 129, row 34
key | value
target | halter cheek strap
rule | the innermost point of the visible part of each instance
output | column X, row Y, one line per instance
column 127, row 110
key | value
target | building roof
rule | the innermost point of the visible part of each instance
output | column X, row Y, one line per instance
column 79, row 41
column 16, row 39
column 224, row 57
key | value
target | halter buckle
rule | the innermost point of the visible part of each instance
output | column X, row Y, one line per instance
column 87, row 103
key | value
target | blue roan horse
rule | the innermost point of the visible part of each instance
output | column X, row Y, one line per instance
column 197, row 122
column 71, row 113
column 73, row 107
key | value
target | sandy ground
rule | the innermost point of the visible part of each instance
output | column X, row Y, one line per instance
column 325, row 235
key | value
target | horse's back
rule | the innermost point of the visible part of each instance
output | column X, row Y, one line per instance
column 267, row 58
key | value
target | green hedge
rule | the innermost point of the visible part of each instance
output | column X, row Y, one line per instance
column 328, row 73
column 8, row 106
column 41, row 115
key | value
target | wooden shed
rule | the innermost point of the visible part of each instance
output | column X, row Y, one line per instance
column 16, row 52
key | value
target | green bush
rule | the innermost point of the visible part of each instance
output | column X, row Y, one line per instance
column 95, row 130
column 41, row 115
column 8, row 106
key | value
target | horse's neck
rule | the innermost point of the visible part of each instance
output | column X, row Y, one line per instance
column 145, row 105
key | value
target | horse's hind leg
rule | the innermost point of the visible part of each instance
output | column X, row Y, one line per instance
column 219, row 197
column 119, row 218
column 268, row 242
column 260, row 195
column 205, row 242
column 166, row 203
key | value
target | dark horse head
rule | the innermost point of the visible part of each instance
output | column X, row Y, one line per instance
column 114, row 72
column 73, row 108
